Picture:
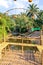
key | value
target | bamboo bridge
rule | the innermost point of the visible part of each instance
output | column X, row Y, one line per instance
column 22, row 44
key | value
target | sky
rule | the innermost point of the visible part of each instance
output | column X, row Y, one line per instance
column 9, row 4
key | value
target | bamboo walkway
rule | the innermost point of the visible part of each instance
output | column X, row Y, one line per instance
column 4, row 44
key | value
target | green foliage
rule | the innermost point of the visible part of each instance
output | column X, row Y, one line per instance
column 32, row 10
column 39, row 20
column 5, row 24
column 22, row 22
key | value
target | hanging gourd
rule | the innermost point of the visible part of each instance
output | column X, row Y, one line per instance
column 29, row 0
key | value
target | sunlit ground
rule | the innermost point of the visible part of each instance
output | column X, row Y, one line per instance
column 16, row 57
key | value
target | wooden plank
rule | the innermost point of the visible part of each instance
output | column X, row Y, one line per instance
column 24, row 38
column 3, row 45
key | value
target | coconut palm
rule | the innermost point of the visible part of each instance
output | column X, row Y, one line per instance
column 32, row 10
column 40, row 16
column 39, row 19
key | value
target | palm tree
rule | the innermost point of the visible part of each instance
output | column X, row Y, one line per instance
column 40, row 16
column 32, row 10
column 39, row 19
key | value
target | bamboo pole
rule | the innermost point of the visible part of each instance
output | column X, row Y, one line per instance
column 22, row 46
column 0, row 55
column 4, row 33
column 42, row 57
column 41, row 36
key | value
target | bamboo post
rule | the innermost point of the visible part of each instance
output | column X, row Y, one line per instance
column 41, row 36
column 42, row 57
column 4, row 33
column 0, row 55
column 22, row 49
column 22, row 46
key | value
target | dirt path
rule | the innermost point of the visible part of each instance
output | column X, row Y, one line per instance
column 18, row 58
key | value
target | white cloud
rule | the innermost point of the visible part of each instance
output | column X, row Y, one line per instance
column 9, row 4
column 19, row 4
column 25, row 0
column 36, row 1
column 4, row 3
